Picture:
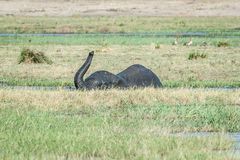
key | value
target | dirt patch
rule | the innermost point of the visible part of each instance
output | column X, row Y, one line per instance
column 120, row 8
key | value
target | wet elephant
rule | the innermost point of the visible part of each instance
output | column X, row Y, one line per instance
column 135, row 76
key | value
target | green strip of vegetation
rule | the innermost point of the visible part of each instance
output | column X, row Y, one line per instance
column 34, row 82
column 168, row 83
column 112, row 40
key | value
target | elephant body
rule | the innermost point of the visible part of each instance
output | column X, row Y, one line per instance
column 134, row 76
column 104, row 80
column 139, row 76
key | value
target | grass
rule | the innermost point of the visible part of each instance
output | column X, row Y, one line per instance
column 219, row 29
column 220, row 69
column 99, row 39
column 133, row 124
column 55, row 135
column 31, row 56
column 119, row 124
column 77, row 24
column 223, row 44
column 190, row 83
column 195, row 55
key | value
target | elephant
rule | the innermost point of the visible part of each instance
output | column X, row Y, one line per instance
column 135, row 76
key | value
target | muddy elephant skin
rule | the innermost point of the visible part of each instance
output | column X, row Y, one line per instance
column 135, row 76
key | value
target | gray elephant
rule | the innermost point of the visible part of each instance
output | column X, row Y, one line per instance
column 135, row 76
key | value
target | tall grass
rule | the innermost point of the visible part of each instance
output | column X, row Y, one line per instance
column 196, row 55
column 136, row 124
column 44, row 135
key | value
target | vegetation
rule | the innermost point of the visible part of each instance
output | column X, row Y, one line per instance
column 117, row 124
column 195, row 55
column 157, row 46
column 30, row 56
column 223, row 44
column 105, row 39
column 77, row 24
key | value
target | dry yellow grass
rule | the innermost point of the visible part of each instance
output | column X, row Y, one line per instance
column 61, row 99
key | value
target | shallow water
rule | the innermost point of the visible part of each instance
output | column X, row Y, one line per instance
column 234, row 136
column 136, row 34
column 72, row 88
column 49, row 88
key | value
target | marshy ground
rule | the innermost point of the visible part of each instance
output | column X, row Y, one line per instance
column 120, row 124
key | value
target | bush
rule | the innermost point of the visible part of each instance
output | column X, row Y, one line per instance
column 196, row 55
column 223, row 44
column 31, row 56
column 157, row 46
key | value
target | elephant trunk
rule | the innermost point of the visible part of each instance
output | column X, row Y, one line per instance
column 78, row 78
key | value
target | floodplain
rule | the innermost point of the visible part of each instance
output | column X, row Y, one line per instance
column 200, row 88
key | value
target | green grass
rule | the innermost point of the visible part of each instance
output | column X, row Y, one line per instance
column 86, row 39
column 44, row 134
column 124, row 132
column 191, row 83
column 194, row 55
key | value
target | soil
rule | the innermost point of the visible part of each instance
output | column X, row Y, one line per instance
column 120, row 7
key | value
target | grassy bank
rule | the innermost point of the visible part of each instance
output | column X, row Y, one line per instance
column 134, row 124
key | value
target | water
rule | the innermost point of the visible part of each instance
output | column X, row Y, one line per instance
column 101, row 34
column 71, row 88
column 136, row 34
column 235, row 137
column 49, row 88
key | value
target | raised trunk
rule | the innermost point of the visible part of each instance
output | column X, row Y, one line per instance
column 78, row 78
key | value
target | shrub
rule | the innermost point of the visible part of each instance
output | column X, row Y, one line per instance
column 31, row 56
column 196, row 54
column 223, row 44
column 121, row 24
column 157, row 46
